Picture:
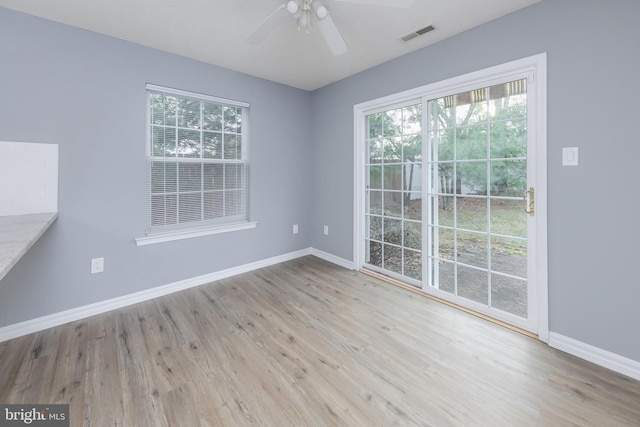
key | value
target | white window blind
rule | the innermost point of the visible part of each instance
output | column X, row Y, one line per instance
column 197, row 169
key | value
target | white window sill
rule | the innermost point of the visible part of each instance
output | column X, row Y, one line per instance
column 186, row 234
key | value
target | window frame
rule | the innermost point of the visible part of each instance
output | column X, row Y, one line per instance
column 201, row 227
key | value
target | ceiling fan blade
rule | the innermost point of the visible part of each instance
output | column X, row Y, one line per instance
column 387, row 3
column 332, row 35
column 268, row 25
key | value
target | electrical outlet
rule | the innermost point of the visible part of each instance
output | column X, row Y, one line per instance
column 326, row 230
column 295, row 228
column 97, row 265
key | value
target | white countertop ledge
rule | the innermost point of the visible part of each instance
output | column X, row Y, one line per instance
column 17, row 234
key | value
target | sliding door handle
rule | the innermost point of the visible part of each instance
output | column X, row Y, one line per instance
column 529, row 201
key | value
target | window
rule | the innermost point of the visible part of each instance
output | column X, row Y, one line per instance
column 197, row 169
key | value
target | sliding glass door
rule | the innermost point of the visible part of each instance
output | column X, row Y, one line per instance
column 477, row 224
column 449, row 202
column 393, row 194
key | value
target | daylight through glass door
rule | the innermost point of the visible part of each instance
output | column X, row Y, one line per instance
column 393, row 195
column 476, row 223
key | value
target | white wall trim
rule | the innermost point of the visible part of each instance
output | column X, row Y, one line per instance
column 333, row 259
column 574, row 347
column 615, row 362
column 189, row 234
column 57, row 319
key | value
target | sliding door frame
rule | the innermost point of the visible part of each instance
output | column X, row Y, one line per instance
column 535, row 67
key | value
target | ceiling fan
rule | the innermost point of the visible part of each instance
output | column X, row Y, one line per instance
column 307, row 12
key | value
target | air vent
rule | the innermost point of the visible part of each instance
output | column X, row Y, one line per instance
column 418, row 33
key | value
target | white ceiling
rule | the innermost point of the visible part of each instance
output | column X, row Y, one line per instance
column 214, row 31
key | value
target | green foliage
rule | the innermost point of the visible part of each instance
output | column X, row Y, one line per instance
column 479, row 140
column 394, row 137
column 184, row 127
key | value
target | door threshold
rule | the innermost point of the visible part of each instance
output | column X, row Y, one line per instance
column 418, row 291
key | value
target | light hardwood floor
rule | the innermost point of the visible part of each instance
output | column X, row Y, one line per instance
column 307, row 343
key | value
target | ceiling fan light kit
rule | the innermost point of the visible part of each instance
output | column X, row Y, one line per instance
column 305, row 11
column 292, row 6
column 321, row 12
column 302, row 12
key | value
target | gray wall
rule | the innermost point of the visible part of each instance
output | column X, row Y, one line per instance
column 86, row 92
column 593, row 96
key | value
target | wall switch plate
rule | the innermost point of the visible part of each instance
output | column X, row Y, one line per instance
column 570, row 156
column 97, row 265
column 326, row 230
column 295, row 228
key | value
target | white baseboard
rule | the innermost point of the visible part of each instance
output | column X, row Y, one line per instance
column 57, row 319
column 577, row 348
column 617, row 363
column 333, row 259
